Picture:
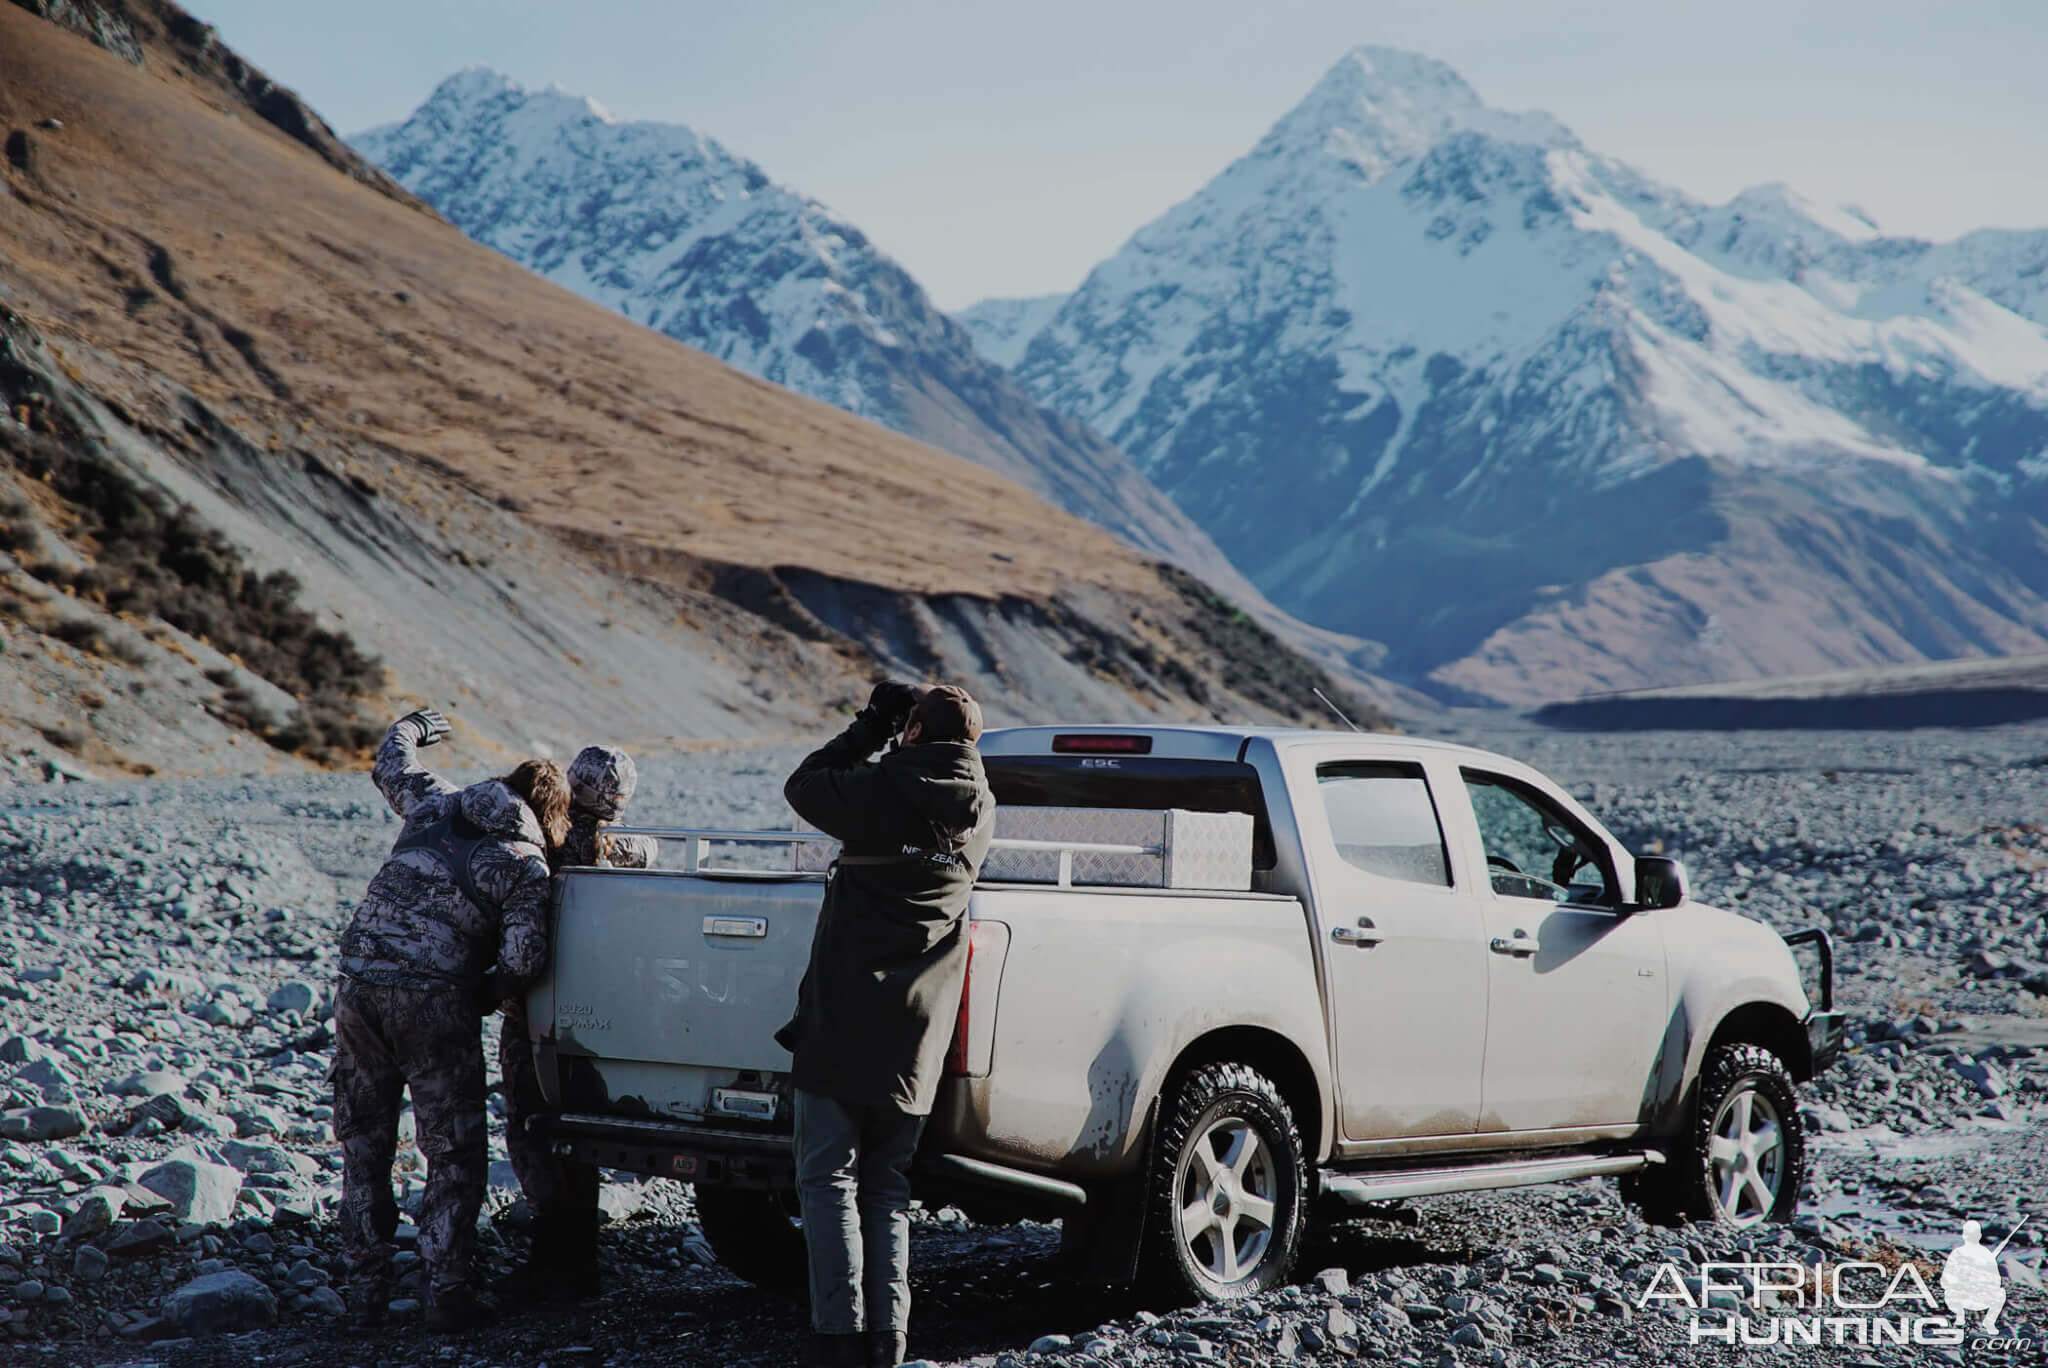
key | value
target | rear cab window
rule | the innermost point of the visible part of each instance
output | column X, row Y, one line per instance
column 1384, row 820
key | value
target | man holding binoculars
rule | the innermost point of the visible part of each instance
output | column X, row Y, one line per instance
column 875, row 1011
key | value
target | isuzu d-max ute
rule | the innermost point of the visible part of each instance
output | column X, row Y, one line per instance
column 1221, row 981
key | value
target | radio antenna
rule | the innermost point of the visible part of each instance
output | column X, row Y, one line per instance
column 1337, row 710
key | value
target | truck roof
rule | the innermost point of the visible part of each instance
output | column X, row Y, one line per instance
column 1187, row 741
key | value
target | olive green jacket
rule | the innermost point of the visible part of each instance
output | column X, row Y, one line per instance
column 876, row 1008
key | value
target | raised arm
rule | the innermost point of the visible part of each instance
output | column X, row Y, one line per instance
column 837, row 791
column 398, row 773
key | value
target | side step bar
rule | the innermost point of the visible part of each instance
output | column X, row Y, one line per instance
column 1364, row 1189
column 1001, row 1178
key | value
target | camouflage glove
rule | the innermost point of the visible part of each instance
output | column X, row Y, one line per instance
column 890, row 704
column 434, row 728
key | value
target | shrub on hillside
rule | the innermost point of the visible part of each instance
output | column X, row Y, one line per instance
column 157, row 559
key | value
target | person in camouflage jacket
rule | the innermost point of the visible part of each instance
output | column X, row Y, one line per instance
column 562, row 1250
column 453, row 922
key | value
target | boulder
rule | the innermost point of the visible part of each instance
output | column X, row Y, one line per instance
column 293, row 997
column 205, row 1124
column 619, row 1201
column 164, row 983
column 199, row 1191
column 259, row 1158
column 143, row 1202
column 95, row 1213
column 43, row 1123
column 219, row 1304
column 255, row 1119
column 220, row 1012
column 47, row 1077
column 89, row 1264
column 164, row 1110
column 150, row 1083
column 1989, row 1082
column 147, row 1236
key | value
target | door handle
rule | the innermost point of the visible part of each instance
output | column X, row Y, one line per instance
column 1521, row 944
column 1364, row 935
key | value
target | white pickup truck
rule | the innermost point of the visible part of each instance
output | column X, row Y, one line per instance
column 1435, row 972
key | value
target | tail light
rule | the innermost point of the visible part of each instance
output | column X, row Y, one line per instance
column 956, row 1058
column 987, row 942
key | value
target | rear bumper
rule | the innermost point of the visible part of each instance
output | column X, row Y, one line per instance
column 692, row 1154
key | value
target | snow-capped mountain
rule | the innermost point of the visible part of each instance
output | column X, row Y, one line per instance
column 1002, row 328
column 676, row 232
column 1441, row 375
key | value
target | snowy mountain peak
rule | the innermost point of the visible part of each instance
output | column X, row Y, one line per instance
column 676, row 232
column 1780, row 205
column 1379, row 107
column 1440, row 375
column 472, row 84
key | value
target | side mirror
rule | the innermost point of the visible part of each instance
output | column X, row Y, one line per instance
column 1660, row 883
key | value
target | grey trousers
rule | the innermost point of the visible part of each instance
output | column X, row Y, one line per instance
column 853, row 1184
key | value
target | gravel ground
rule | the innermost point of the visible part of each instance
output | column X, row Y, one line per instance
column 164, row 965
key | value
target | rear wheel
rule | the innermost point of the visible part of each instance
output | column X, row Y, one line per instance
column 1229, row 1187
column 1742, row 1160
column 756, row 1233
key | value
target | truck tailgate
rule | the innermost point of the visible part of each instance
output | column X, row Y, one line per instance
column 668, row 986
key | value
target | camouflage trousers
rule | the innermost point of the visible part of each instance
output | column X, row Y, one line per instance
column 386, row 1041
column 562, row 1192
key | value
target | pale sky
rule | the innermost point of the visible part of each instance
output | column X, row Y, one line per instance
column 1004, row 149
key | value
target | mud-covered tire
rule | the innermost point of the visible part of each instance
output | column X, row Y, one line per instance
column 1707, row 1177
column 1211, row 1238
column 756, row 1235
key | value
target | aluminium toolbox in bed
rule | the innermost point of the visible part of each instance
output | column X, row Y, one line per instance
column 1181, row 849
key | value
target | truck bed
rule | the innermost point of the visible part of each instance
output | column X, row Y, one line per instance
column 667, row 988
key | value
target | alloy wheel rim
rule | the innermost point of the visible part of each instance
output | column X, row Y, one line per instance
column 1746, row 1157
column 1228, row 1199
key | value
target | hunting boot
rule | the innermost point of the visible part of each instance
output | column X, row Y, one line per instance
column 887, row 1348
column 834, row 1351
column 368, row 1300
column 539, row 1275
column 458, row 1309
column 576, row 1266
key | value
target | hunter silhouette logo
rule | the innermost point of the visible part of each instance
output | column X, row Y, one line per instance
column 1970, row 1280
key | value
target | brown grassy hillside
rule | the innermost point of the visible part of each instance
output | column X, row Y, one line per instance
column 346, row 388
column 209, row 247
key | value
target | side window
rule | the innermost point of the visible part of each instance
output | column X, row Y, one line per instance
column 1532, row 849
column 1384, row 821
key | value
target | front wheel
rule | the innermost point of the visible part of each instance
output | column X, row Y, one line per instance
column 1742, row 1160
column 1229, row 1187
column 756, row 1234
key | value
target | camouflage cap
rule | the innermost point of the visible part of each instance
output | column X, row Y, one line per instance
column 601, row 781
column 947, row 712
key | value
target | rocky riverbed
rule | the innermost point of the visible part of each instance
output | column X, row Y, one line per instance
column 167, row 1173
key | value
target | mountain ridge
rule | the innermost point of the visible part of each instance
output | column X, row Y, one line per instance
column 261, row 420
column 677, row 232
column 1412, row 342
column 655, row 219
